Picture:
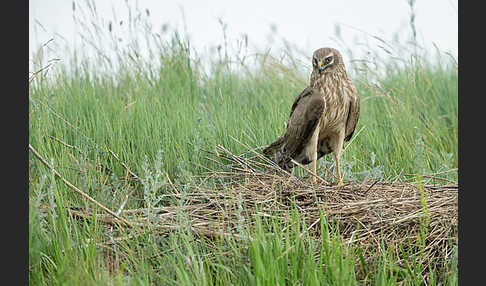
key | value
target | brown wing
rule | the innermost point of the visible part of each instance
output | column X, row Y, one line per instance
column 275, row 146
column 308, row 91
column 353, row 116
column 304, row 117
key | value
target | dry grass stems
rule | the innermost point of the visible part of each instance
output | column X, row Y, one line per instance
column 247, row 186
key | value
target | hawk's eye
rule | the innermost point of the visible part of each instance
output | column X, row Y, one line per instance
column 328, row 60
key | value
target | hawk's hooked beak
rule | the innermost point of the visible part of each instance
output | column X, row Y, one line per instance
column 320, row 66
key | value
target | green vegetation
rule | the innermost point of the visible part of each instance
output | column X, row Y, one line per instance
column 159, row 117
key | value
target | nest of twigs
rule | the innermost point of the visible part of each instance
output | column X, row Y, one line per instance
column 369, row 213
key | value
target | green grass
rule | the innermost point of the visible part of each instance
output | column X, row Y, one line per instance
column 159, row 117
column 142, row 115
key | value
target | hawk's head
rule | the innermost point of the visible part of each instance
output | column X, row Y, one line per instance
column 326, row 60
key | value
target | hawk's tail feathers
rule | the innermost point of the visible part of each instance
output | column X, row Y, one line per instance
column 273, row 148
column 275, row 153
column 285, row 162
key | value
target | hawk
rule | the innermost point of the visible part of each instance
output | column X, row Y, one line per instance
column 322, row 117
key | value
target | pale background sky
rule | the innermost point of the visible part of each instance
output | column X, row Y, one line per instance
column 306, row 24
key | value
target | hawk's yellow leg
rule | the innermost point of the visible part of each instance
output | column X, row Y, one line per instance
column 314, row 166
column 340, row 180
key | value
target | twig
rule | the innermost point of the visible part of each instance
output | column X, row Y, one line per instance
column 124, row 166
column 237, row 158
column 371, row 186
column 354, row 137
column 127, row 196
column 64, row 143
column 171, row 184
column 267, row 160
column 309, row 171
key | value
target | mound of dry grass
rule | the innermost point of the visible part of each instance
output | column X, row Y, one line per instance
column 395, row 213
column 243, row 187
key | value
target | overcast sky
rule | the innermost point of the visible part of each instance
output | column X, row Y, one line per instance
column 306, row 24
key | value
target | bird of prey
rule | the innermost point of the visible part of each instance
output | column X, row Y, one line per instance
column 322, row 117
